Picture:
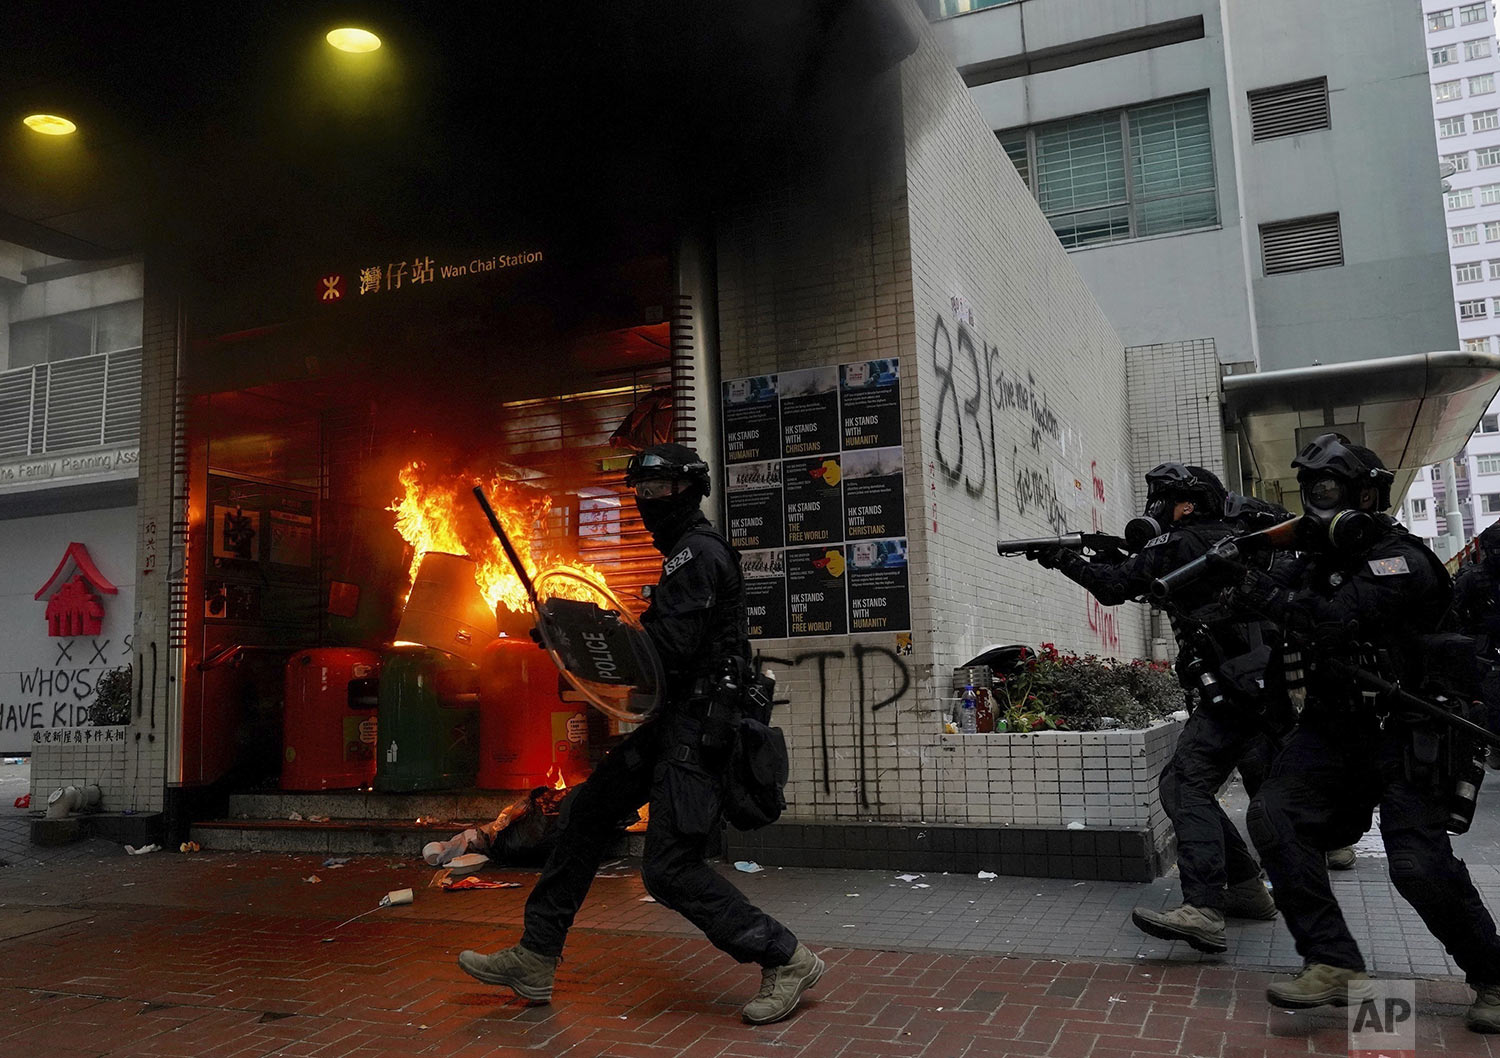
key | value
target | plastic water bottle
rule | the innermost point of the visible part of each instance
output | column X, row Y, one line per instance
column 968, row 717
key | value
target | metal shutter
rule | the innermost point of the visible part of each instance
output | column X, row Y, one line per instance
column 1297, row 245
column 1286, row 110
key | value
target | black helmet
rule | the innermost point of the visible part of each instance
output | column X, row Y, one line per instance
column 1183, row 481
column 668, row 462
column 1490, row 539
column 1332, row 456
column 1251, row 512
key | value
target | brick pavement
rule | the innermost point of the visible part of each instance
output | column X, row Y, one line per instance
column 237, row 956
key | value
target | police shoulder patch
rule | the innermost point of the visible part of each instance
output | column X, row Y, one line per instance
column 677, row 561
column 1389, row 567
column 1157, row 541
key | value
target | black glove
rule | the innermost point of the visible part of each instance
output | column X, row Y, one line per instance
column 1258, row 594
column 1046, row 557
column 536, row 637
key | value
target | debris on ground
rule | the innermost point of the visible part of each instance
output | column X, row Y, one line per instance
column 335, row 862
column 133, row 851
column 312, row 878
column 748, row 866
column 908, row 877
column 472, row 882
column 987, row 876
column 189, row 846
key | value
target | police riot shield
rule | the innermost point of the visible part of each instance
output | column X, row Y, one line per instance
column 598, row 645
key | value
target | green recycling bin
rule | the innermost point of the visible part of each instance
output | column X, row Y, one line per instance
column 429, row 721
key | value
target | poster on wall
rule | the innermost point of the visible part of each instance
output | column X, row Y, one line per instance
column 815, row 491
column 752, row 494
column 870, row 393
column 816, row 600
column 809, row 411
column 879, row 589
column 752, row 419
column 765, row 592
column 291, row 538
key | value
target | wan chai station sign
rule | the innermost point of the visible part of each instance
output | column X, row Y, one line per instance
column 391, row 277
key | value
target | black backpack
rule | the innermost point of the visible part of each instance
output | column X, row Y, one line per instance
column 755, row 782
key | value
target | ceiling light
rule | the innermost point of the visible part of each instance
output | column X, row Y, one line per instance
column 348, row 38
column 49, row 124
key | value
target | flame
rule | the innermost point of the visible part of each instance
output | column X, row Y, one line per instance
column 555, row 778
column 436, row 512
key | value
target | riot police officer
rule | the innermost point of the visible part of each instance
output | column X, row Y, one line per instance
column 1367, row 591
column 1476, row 612
column 696, row 619
column 1221, row 657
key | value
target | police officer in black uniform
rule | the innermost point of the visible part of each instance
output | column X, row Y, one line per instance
column 1221, row 659
column 674, row 760
column 1367, row 591
column 1476, row 612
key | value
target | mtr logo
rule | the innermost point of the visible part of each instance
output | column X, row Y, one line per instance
column 1383, row 1021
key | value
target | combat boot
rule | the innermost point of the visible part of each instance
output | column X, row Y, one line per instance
column 781, row 987
column 1484, row 1015
column 1249, row 899
column 1341, row 859
column 523, row 971
column 1320, row 985
column 1201, row 927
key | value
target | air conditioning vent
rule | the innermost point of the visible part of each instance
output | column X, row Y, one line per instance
column 1287, row 109
column 1298, row 245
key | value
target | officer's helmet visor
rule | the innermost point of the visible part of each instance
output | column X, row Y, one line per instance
column 655, row 488
column 1325, row 494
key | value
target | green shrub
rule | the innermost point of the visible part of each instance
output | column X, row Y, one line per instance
column 111, row 704
column 1066, row 692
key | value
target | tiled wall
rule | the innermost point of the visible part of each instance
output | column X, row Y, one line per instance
column 1175, row 405
column 82, row 757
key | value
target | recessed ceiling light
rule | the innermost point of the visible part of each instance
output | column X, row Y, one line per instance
column 349, row 38
column 49, row 124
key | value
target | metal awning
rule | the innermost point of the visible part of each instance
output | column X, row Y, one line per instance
column 1412, row 410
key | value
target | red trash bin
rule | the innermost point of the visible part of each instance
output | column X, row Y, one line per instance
column 327, row 743
column 528, row 735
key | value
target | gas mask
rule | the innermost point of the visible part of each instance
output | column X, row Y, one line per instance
column 1330, row 522
column 1155, row 520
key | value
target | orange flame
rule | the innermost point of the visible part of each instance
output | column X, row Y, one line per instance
column 555, row 778
column 436, row 512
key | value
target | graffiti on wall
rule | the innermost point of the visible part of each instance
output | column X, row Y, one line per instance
column 974, row 393
column 1103, row 620
column 876, row 671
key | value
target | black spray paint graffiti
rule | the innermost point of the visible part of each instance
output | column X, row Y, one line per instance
column 863, row 679
column 964, row 426
column 1036, row 491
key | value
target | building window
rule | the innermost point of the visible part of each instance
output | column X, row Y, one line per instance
column 1468, row 272
column 1463, row 198
column 1451, row 126
column 1476, row 345
column 1484, row 84
column 1439, row 20
column 1446, row 90
column 1288, row 109
column 1459, row 162
column 106, row 329
column 1487, row 465
column 949, row 8
column 1489, row 424
column 1486, row 157
column 1125, row 174
column 1468, row 235
column 1418, row 509
column 1468, row 14
column 1478, row 48
column 1489, row 194
column 1447, row 55
column 1489, row 503
column 1486, row 120
column 1492, row 231
column 1473, row 310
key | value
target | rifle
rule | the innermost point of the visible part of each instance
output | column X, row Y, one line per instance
column 1225, row 557
column 1070, row 541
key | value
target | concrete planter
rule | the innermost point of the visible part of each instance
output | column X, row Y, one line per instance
column 1103, row 779
column 80, row 756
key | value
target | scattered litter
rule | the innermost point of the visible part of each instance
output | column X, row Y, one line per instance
column 133, row 851
column 295, row 817
column 908, row 877
column 850, row 925
column 334, row 862
column 987, row 876
column 399, row 896
column 648, row 899
column 1075, row 825
column 312, row 878
column 189, row 846
column 1116, row 999
column 748, row 866
column 921, row 885
column 467, row 863
column 472, row 882
column 1077, row 884
column 317, row 819
column 851, row 894
column 24, row 801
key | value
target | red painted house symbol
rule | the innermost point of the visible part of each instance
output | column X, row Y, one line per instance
column 73, row 609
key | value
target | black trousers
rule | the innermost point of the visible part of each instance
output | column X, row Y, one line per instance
column 1322, row 790
column 1210, row 851
column 685, row 802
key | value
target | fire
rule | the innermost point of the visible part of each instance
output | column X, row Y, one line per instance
column 555, row 778
column 436, row 512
